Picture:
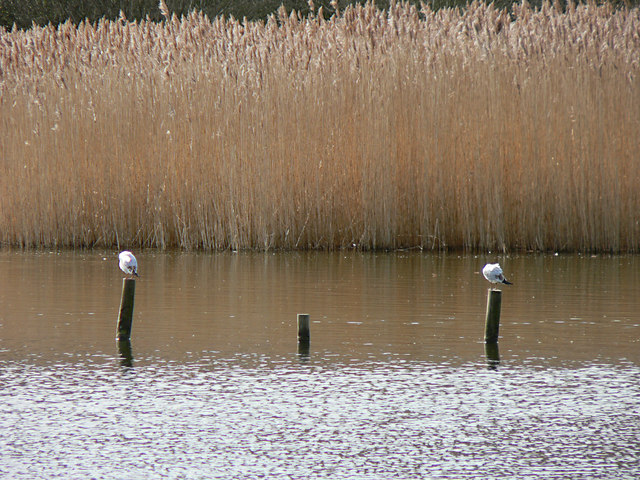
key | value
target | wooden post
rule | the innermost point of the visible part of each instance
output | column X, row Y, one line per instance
column 492, row 322
column 126, row 309
column 303, row 328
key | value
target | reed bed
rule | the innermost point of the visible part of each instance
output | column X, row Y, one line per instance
column 460, row 129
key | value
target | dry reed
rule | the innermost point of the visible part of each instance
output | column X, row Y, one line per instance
column 403, row 128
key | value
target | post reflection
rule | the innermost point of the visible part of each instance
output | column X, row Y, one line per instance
column 492, row 353
column 126, row 356
column 303, row 351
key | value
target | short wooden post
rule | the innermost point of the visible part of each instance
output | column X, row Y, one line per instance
column 303, row 328
column 492, row 322
column 126, row 309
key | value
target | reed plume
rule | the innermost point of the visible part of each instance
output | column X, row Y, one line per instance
column 371, row 129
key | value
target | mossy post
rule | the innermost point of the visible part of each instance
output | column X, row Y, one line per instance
column 492, row 321
column 126, row 309
column 303, row 328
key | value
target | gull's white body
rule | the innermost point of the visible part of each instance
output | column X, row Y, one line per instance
column 128, row 263
column 493, row 273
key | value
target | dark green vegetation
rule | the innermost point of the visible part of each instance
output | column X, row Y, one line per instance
column 23, row 13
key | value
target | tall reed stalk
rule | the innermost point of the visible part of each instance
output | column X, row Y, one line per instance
column 374, row 129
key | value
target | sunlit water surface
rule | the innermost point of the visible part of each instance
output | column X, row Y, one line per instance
column 396, row 382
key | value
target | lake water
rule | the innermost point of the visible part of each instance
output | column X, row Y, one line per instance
column 396, row 382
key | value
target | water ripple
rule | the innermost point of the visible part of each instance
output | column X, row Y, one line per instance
column 222, row 417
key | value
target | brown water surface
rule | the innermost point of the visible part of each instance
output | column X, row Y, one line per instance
column 395, row 383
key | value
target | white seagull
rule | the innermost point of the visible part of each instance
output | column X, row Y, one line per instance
column 493, row 273
column 128, row 263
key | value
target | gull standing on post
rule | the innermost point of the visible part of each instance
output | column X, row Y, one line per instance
column 493, row 273
column 128, row 263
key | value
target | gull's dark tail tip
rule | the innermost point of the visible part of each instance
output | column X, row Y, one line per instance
column 506, row 282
